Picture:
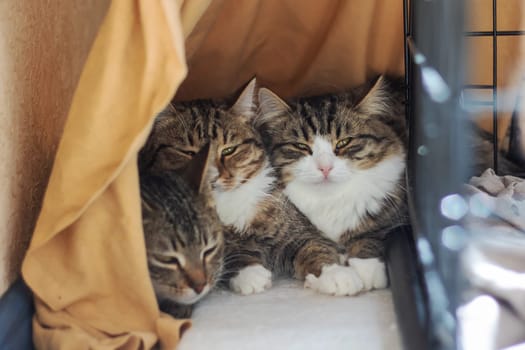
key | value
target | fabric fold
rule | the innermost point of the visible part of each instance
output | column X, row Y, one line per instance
column 86, row 263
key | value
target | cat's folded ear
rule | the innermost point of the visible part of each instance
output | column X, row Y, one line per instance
column 245, row 105
column 195, row 172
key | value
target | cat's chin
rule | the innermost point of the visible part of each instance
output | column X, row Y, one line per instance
column 187, row 297
column 190, row 297
column 323, row 186
column 220, row 188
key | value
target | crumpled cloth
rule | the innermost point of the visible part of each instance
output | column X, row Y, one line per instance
column 86, row 264
column 494, row 263
column 501, row 196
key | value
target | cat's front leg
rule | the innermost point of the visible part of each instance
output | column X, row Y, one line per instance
column 317, row 262
column 251, row 279
column 365, row 256
column 246, row 273
column 372, row 272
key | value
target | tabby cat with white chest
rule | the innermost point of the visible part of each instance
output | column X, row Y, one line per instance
column 341, row 159
column 265, row 234
column 183, row 235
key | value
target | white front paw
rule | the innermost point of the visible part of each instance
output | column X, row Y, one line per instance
column 251, row 279
column 372, row 272
column 335, row 280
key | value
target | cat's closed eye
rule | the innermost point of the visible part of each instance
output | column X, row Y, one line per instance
column 187, row 152
column 167, row 259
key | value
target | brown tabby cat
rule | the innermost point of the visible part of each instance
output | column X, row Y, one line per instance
column 178, row 133
column 183, row 235
column 341, row 160
column 266, row 233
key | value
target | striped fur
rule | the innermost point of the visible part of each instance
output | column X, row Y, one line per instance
column 341, row 159
column 262, row 228
column 274, row 234
column 178, row 133
column 184, row 239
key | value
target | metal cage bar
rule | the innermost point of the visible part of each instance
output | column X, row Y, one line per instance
column 495, row 149
column 433, row 44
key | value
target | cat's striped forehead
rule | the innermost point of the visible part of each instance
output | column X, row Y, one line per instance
column 187, row 219
column 228, row 128
column 323, row 115
column 187, row 235
column 189, row 123
column 373, row 108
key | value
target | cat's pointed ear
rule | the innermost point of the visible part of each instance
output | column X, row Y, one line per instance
column 376, row 99
column 270, row 104
column 245, row 104
column 195, row 172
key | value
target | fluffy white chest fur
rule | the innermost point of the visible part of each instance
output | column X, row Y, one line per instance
column 239, row 206
column 335, row 208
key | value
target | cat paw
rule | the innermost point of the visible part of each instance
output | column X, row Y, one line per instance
column 335, row 280
column 372, row 272
column 251, row 280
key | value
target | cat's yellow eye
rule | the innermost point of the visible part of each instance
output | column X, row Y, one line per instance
column 303, row 147
column 342, row 143
column 228, row 151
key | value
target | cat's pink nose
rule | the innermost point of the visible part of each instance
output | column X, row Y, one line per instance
column 326, row 170
column 198, row 286
column 196, row 280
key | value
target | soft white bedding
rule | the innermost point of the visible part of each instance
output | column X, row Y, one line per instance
column 289, row 317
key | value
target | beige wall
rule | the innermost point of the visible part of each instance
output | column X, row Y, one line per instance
column 43, row 45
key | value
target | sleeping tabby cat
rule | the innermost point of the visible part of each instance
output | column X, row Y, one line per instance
column 341, row 160
column 265, row 234
column 184, row 238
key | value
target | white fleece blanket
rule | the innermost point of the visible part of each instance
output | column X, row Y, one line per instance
column 289, row 317
column 501, row 197
column 494, row 263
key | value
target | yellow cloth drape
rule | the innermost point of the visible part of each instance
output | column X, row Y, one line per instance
column 86, row 263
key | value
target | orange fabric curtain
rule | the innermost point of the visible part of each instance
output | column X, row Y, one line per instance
column 294, row 47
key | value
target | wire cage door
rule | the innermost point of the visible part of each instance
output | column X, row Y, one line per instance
column 439, row 151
